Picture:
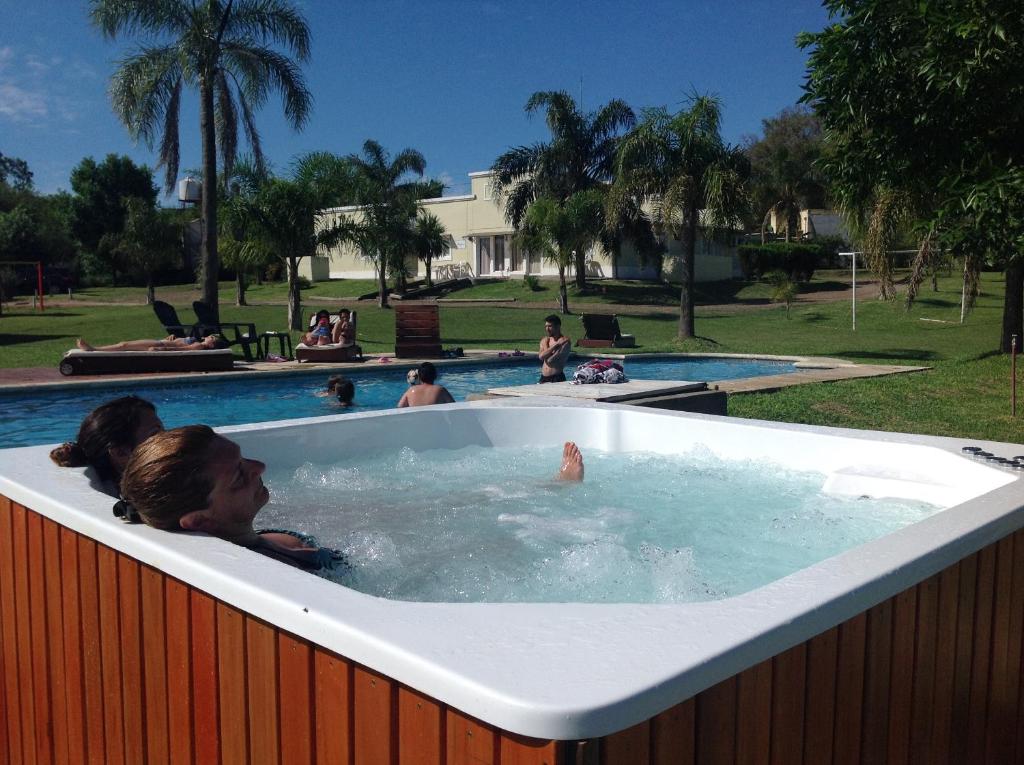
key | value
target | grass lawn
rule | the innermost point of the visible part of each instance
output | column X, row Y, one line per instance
column 966, row 393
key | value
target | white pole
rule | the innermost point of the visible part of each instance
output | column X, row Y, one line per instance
column 853, row 256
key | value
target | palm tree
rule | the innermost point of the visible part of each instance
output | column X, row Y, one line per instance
column 382, row 230
column 225, row 50
column 428, row 240
column 558, row 231
column 679, row 164
column 580, row 156
column 240, row 247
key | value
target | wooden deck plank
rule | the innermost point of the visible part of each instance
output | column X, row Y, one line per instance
column 261, row 686
column 374, row 734
column 110, row 653
column 961, row 692
column 923, row 701
column 55, row 628
column 73, row 680
column 754, row 715
column 789, row 681
column 23, row 604
column 627, row 747
column 901, row 693
column 978, row 704
column 334, row 716
column 820, row 712
column 132, row 688
column 877, row 683
column 9, row 631
column 36, row 563
column 469, row 741
column 522, row 750
column 850, row 690
column 716, row 724
column 673, row 736
column 154, row 663
column 205, row 705
column 1000, row 726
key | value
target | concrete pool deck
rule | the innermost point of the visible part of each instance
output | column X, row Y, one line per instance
column 808, row 369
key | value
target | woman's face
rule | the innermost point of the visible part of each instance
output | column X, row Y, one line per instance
column 238, row 492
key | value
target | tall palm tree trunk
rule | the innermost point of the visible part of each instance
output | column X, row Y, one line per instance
column 240, row 287
column 294, row 296
column 1013, row 306
column 209, row 263
column 686, row 328
column 430, row 277
column 563, row 292
column 581, row 270
column 382, row 282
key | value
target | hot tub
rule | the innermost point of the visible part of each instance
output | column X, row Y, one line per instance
column 129, row 643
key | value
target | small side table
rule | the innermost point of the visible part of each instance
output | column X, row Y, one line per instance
column 284, row 340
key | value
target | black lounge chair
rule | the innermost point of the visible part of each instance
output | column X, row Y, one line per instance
column 602, row 331
column 208, row 325
column 167, row 316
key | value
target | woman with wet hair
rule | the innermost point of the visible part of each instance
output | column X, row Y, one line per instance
column 191, row 479
column 107, row 437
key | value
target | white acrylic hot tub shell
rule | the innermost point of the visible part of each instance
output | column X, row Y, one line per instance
column 569, row 670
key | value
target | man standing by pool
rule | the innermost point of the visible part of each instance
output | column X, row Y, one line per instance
column 554, row 351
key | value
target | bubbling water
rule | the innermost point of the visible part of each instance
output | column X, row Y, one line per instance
column 492, row 524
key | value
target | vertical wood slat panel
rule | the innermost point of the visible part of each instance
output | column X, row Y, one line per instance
column 850, row 690
column 19, row 542
column 421, row 734
column 961, row 695
column 1016, row 659
column 374, row 720
column 1002, row 689
column 234, row 733
column 627, row 747
column 789, row 680
column 468, row 741
column 154, row 663
column 9, row 627
column 902, row 673
column 333, row 693
column 522, row 750
column 877, row 682
column 179, row 672
column 73, row 682
column 716, row 724
column 945, row 667
column 205, row 706
column 132, row 688
column 55, row 642
column 36, row 564
column 5, row 751
column 978, row 704
column 110, row 654
column 754, row 715
column 923, row 697
column 91, row 654
column 674, row 736
column 820, row 711
column 295, row 659
column 261, row 680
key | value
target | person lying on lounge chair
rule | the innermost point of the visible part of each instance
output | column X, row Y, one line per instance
column 169, row 343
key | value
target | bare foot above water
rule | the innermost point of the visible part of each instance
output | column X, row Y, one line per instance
column 572, row 463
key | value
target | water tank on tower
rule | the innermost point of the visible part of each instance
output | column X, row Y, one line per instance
column 190, row 190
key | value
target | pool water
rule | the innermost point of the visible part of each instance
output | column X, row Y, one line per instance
column 641, row 528
column 51, row 416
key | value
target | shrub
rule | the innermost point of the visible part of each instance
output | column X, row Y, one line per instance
column 784, row 289
column 531, row 283
column 796, row 260
column 303, row 282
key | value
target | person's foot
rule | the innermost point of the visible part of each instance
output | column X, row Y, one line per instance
column 83, row 346
column 572, row 463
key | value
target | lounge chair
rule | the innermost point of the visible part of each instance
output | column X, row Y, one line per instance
column 602, row 331
column 76, row 362
column 417, row 332
column 332, row 353
column 208, row 324
column 167, row 316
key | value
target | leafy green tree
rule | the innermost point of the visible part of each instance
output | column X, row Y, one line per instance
column 382, row 230
column 679, row 164
column 558, row 231
column 784, row 176
column 14, row 173
column 921, row 104
column 241, row 249
column 580, row 156
column 227, row 51
column 428, row 240
column 97, row 208
column 150, row 240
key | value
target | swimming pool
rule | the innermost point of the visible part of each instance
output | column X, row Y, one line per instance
column 53, row 415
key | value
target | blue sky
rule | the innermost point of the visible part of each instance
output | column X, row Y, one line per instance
column 447, row 78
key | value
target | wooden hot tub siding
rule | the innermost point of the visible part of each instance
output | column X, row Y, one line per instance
column 106, row 660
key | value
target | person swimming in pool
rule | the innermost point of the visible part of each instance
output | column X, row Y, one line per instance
column 169, row 343
column 192, row 479
column 424, row 392
column 108, row 436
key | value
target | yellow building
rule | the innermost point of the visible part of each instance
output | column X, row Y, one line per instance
column 481, row 244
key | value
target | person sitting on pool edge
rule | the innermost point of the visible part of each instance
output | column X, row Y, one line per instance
column 191, row 479
column 108, row 436
column 426, row 392
column 554, row 351
column 169, row 343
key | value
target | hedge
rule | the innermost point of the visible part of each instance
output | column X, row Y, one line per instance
column 797, row 260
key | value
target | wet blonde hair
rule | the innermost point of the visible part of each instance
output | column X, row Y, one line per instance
column 166, row 479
